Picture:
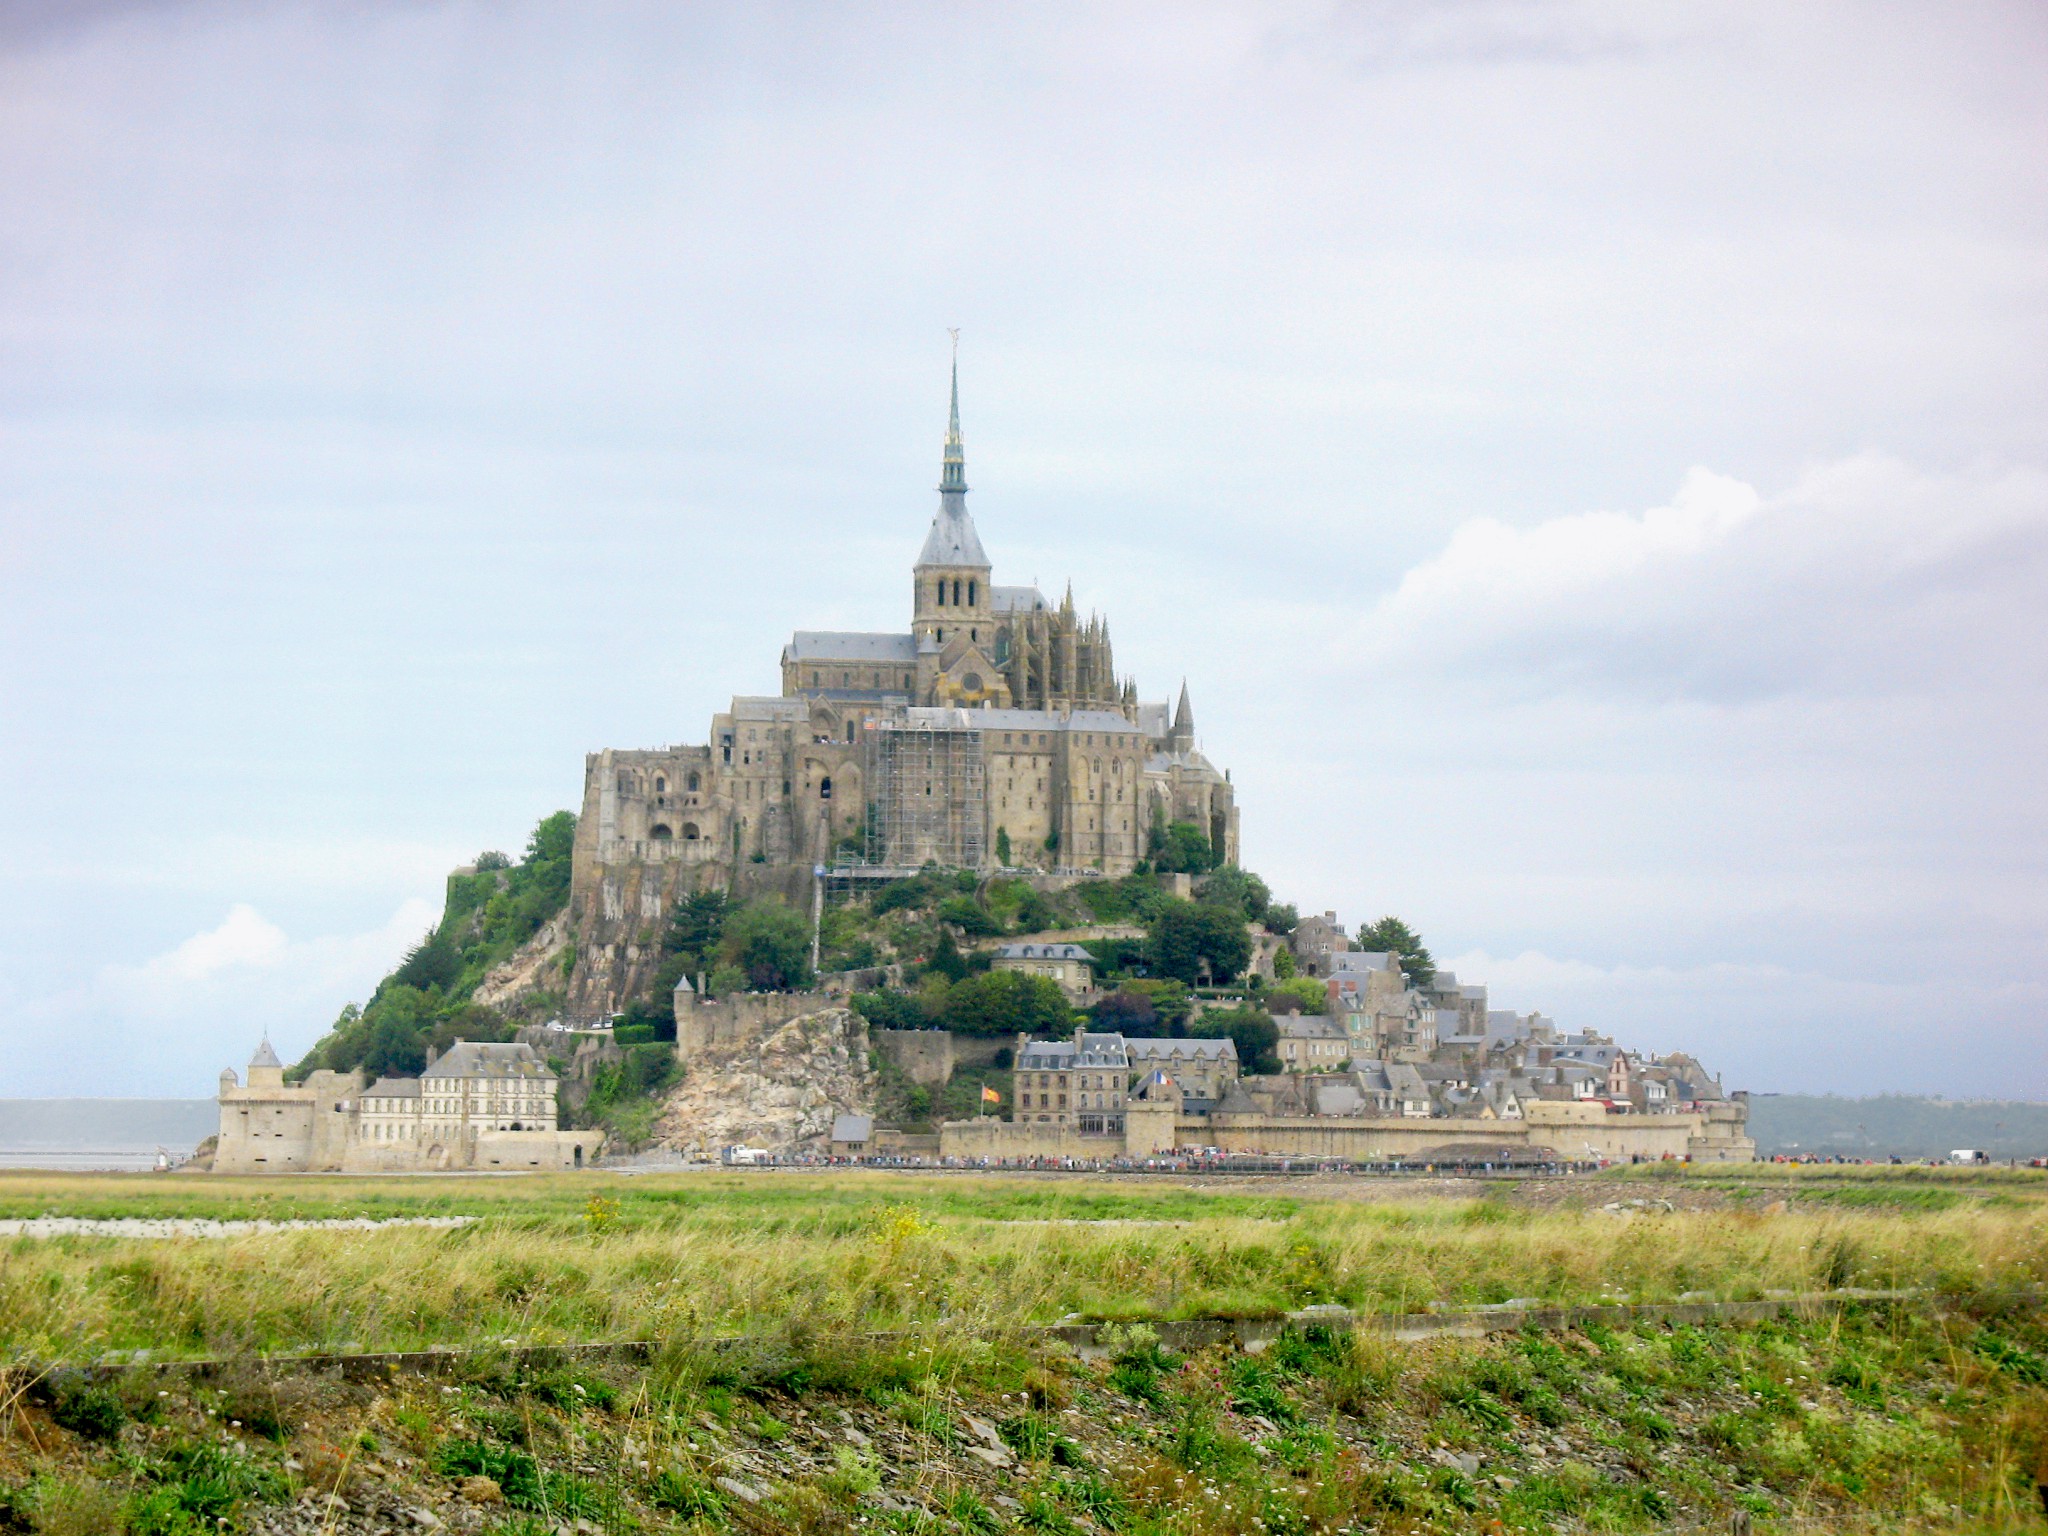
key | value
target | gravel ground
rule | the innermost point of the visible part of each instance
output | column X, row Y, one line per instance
column 178, row 1226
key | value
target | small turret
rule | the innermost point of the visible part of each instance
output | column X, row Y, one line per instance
column 1183, row 733
column 265, row 1070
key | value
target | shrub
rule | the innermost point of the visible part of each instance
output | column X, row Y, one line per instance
column 964, row 913
column 516, row 1473
column 86, row 1409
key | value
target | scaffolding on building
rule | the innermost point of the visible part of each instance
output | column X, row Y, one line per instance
column 927, row 794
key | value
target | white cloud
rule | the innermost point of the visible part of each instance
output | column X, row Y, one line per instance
column 242, row 939
column 1865, row 577
column 168, row 1024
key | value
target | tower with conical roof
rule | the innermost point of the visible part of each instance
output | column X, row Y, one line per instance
column 951, row 591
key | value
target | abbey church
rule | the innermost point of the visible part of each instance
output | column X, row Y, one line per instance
column 993, row 733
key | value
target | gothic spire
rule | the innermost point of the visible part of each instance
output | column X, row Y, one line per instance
column 952, row 541
column 1184, row 714
column 953, row 472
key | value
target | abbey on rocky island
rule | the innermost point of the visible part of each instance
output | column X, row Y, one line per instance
column 993, row 733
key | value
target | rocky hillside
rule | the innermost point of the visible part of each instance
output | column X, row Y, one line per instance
column 780, row 1092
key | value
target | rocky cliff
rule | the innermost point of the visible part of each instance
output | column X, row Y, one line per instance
column 779, row 1091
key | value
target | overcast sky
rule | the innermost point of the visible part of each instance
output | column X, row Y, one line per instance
column 1589, row 461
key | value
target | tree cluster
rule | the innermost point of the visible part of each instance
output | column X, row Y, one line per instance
column 424, row 1004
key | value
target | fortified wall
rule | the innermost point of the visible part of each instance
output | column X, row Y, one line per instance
column 1571, row 1131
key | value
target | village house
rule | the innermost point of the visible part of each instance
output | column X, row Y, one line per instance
column 1068, row 964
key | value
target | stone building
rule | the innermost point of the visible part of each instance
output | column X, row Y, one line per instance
column 1068, row 964
column 478, row 1107
column 1200, row 1069
column 1311, row 1042
column 993, row 732
column 1080, row 1083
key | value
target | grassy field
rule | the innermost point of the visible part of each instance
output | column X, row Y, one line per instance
column 1925, row 1416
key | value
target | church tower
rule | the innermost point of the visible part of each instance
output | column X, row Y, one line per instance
column 952, row 609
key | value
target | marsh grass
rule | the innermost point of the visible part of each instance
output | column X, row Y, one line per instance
column 799, row 1259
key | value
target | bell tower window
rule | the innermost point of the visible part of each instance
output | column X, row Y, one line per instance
column 970, row 593
column 956, row 592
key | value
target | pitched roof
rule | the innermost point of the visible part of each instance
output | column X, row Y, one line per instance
column 1016, row 600
column 265, row 1056
column 1309, row 1026
column 844, row 645
column 1043, row 952
column 393, row 1088
column 952, row 540
column 479, row 1058
column 853, row 1127
column 1150, row 1050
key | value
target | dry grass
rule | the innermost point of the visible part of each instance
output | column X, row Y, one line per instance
column 697, row 1254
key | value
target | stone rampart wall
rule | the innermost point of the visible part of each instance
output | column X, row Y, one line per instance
column 727, row 1023
column 1613, row 1137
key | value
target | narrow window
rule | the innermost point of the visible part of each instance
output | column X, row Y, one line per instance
column 956, row 592
column 970, row 594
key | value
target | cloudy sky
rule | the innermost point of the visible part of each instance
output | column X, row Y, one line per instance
column 1589, row 460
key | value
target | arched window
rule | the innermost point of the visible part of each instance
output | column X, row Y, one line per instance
column 825, row 789
column 695, row 782
column 660, row 785
column 970, row 594
column 956, row 591
column 661, row 833
column 942, row 593
column 690, row 832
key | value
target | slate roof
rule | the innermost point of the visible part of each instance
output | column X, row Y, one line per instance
column 1309, row 1026
column 1095, row 1051
column 952, row 540
column 265, row 1056
column 1043, row 952
column 393, row 1088
column 1148, row 1052
column 477, row 1058
column 853, row 1127
column 1016, row 600
column 847, row 645
column 1357, row 961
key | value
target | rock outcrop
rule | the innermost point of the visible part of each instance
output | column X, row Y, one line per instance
column 779, row 1091
column 535, row 966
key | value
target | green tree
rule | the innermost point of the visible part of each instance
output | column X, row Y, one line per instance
column 946, row 960
column 432, row 963
column 769, row 942
column 1005, row 1003
column 1313, row 996
column 1003, row 846
column 1186, row 936
column 1125, row 1012
column 1184, row 850
column 1283, row 963
column 1253, row 1033
column 1234, row 887
column 1035, row 914
column 1169, row 999
column 894, row 1010
column 964, row 913
column 1391, row 936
